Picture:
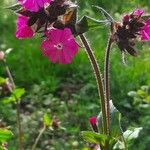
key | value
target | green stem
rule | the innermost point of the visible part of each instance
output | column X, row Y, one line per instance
column 17, row 105
column 106, row 81
column 98, row 77
column 38, row 138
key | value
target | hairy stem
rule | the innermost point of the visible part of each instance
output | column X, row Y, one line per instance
column 19, row 126
column 17, row 105
column 106, row 82
column 38, row 138
column 98, row 77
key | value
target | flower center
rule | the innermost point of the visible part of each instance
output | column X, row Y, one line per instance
column 59, row 46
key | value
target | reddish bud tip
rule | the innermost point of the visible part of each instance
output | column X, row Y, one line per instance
column 93, row 120
column 126, row 18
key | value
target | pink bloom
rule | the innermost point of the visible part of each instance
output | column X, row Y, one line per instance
column 34, row 5
column 60, row 46
column 138, row 12
column 93, row 120
column 145, row 32
column 23, row 30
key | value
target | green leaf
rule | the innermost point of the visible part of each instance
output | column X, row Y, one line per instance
column 94, row 137
column 15, row 7
column 18, row 93
column 2, row 80
column 132, row 133
column 5, row 135
column 46, row 119
column 132, row 94
column 7, row 100
column 105, row 13
column 2, row 148
column 141, row 93
column 115, row 122
column 87, row 23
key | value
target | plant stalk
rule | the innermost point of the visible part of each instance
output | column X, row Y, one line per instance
column 17, row 105
column 99, row 81
column 106, row 81
column 38, row 138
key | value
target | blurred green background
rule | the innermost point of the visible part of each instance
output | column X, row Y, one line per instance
column 69, row 91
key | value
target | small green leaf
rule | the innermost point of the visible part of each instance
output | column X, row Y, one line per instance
column 2, row 80
column 47, row 120
column 105, row 13
column 141, row 93
column 94, row 137
column 86, row 23
column 15, row 7
column 148, row 99
column 132, row 94
column 2, row 148
column 7, row 100
column 5, row 135
column 132, row 133
column 18, row 93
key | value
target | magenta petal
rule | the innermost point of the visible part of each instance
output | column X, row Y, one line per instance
column 71, row 46
column 138, row 12
column 145, row 36
column 34, row 5
column 66, row 35
column 21, row 21
column 145, row 32
column 49, row 51
column 64, row 58
column 31, row 5
column 55, row 35
column 46, row 46
column 53, row 56
column 23, row 30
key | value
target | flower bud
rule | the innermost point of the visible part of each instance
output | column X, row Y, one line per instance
column 2, row 55
column 126, row 19
column 93, row 123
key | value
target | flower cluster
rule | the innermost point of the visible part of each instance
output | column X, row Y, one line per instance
column 132, row 27
column 49, row 18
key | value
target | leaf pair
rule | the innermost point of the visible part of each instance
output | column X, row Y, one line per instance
column 15, row 96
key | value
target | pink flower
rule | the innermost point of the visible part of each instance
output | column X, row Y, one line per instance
column 34, row 5
column 138, row 12
column 60, row 46
column 23, row 30
column 145, row 32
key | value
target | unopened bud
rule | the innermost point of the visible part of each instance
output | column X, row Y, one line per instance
column 2, row 55
column 93, row 123
column 126, row 18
